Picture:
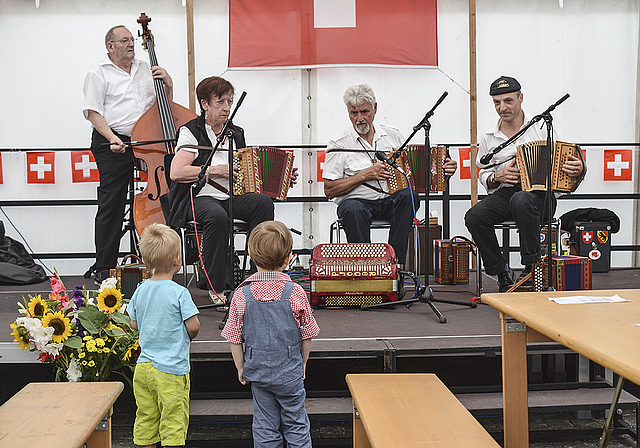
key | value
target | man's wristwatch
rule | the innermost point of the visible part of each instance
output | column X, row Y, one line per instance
column 492, row 179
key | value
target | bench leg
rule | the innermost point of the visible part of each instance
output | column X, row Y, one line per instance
column 101, row 438
column 360, row 439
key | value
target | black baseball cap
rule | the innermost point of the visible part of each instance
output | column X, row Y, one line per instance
column 504, row 84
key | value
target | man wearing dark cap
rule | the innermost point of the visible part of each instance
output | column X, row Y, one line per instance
column 501, row 179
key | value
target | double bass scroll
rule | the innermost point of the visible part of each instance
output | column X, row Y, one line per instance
column 158, row 123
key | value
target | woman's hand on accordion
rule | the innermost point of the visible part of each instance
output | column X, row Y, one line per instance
column 508, row 175
column 223, row 171
column 573, row 167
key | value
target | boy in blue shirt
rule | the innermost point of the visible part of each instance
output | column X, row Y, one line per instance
column 166, row 317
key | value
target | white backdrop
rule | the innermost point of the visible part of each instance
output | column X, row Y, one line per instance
column 588, row 49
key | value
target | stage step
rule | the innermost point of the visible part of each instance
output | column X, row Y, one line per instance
column 232, row 409
column 551, row 400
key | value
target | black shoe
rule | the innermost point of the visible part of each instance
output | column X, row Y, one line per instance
column 527, row 283
column 101, row 276
column 505, row 280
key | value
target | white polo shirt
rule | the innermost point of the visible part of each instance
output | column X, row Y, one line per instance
column 120, row 98
column 494, row 137
column 341, row 164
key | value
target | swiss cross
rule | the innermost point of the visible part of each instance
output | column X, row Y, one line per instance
column 618, row 165
column 40, row 167
column 466, row 163
column 85, row 166
column 334, row 13
column 587, row 237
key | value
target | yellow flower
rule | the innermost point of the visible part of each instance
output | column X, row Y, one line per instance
column 111, row 326
column 61, row 326
column 129, row 352
column 91, row 363
column 81, row 355
column 87, row 337
column 91, row 346
column 109, row 300
column 38, row 307
column 17, row 337
column 84, row 363
column 106, row 350
column 100, row 342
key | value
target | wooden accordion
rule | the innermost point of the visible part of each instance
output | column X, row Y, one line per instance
column 532, row 163
column 353, row 274
column 263, row 170
column 412, row 162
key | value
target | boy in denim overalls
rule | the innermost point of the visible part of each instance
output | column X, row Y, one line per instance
column 272, row 316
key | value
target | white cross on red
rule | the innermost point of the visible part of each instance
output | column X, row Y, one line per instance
column 40, row 167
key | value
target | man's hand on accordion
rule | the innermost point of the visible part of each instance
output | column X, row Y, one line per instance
column 573, row 167
column 508, row 175
column 450, row 166
column 294, row 177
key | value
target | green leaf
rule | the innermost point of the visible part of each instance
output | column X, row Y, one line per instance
column 92, row 319
column 121, row 319
column 115, row 332
column 74, row 342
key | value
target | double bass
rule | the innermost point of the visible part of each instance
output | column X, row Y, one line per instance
column 158, row 123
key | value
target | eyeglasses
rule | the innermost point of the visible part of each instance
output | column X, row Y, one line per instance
column 126, row 41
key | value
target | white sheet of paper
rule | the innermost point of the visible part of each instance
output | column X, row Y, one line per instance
column 587, row 299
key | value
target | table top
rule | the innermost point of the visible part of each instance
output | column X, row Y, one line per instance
column 55, row 414
column 414, row 410
column 606, row 333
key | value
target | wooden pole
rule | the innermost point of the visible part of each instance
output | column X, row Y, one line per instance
column 473, row 102
column 191, row 57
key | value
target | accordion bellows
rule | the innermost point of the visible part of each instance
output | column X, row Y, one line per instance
column 532, row 162
column 263, row 170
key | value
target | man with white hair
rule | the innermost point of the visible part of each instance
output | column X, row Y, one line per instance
column 358, row 183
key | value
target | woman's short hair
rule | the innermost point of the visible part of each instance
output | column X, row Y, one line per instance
column 159, row 246
column 270, row 245
column 212, row 86
column 356, row 95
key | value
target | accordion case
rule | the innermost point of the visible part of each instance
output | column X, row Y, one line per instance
column 263, row 170
column 353, row 274
column 129, row 276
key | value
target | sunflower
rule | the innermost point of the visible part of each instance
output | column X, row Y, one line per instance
column 37, row 306
column 21, row 339
column 61, row 326
column 109, row 300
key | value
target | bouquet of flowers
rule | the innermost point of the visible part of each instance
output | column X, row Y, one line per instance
column 85, row 338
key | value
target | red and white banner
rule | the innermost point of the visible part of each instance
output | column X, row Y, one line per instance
column 465, row 163
column 321, row 155
column 41, row 167
column 83, row 167
column 618, row 164
column 281, row 33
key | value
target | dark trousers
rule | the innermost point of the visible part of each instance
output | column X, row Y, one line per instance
column 213, row 219
column 357, row 214
column 527, row 209
column 115, row 175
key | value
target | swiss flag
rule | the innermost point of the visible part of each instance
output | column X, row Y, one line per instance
column 618, row 164
column 465, row 163
column 83, row 167
column 321, row 156
column 280, row 33
column 41, row 167
column 587, row 236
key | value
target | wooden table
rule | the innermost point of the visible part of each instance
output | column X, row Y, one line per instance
column 59, row 415
column 411, row 410
column 606, row 333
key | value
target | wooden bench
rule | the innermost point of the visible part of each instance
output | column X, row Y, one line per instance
column 411, row 410
column 59, row 415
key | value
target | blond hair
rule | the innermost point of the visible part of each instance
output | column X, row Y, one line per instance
column 159, row 246
column 270, row 245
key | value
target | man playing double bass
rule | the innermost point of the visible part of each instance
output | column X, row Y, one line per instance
column 117, row 91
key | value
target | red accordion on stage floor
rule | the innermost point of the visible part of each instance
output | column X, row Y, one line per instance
column 353, row 274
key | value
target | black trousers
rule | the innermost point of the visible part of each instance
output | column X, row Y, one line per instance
column 357, row 214
column 115, row 175
column 213, row 219
column 527, row 209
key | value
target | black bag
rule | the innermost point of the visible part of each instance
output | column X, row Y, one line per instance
column 16, row 264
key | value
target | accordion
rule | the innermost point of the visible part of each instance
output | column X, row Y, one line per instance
column 569, row 273
column 263, row 170
column 412, row 162
column 532, row 164
column 353, row 274
column 451, row 260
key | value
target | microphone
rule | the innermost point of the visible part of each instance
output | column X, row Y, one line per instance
column 485, row 159
column 384, row 158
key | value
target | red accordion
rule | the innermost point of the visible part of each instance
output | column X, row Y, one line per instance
column 263, row 170
column 353, row 274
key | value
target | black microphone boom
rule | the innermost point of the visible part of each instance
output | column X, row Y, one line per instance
column 384, row 158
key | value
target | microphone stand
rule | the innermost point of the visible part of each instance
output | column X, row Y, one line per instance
column 227, row 132
column 424, row 294
column 548, row 119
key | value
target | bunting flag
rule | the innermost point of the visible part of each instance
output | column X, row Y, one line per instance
column 320, row 155
column 618, row 164
column 41, row 167
column 465, row 163
column 1, row 178
column 281, row 33
column 84, row 167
